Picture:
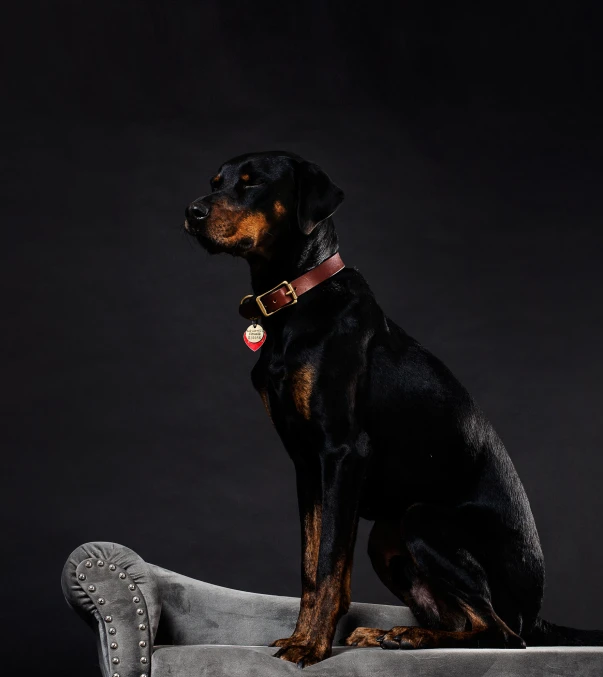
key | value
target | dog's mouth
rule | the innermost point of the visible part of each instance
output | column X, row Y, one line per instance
column 234, row 246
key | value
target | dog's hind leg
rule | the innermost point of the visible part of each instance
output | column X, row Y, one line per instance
column 442, row 583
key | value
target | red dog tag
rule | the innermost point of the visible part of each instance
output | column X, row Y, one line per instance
column 254, row 337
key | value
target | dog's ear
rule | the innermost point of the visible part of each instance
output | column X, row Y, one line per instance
column 317, row 196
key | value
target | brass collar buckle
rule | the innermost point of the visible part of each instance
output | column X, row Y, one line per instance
column 291, row 292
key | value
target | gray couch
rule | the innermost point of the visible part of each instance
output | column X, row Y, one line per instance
column 149, row 620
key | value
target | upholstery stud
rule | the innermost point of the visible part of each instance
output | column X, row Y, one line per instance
column 113, row 645
column 136, row 600
column 144, row 660
column 122, row 575
column 108, row 619
column 112, row 567
column 132, row 586
column 112, row 631
column 101, row 600
column 144, row 674
column 115, row 660
column 140, row 612
column 82, row 577
column 100, row 563
column 115, row 674
column 91, row 588
column 142, row 626
column 88, row 565
column 142, row 644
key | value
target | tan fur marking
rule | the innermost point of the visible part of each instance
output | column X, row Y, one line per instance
column 266, row 401
column 477, row 622
column 244, row 177
column 312, row 528
column 302, row 381
column 279, row 208
column 228, row 224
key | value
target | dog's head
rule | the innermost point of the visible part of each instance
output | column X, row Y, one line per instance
column 259, row 200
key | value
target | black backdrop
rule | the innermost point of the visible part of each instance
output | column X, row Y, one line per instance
column 468, row 145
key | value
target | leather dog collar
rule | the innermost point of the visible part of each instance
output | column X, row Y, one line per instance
column 286, row 293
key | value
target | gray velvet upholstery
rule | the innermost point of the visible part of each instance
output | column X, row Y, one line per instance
column 170, row 625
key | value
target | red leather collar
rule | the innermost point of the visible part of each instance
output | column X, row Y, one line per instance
column 286, row 293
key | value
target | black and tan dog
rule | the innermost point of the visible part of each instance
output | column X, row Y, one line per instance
column 378, row 428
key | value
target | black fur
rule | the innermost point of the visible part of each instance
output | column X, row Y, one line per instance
column 378, row 428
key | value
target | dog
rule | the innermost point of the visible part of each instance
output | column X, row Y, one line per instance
column 378, row 428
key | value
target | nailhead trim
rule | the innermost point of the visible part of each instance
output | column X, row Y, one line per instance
column 144, row 660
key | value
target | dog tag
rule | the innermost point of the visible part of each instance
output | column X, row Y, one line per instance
column 254, row 337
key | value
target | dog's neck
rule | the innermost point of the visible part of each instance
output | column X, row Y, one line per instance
column 293, row 257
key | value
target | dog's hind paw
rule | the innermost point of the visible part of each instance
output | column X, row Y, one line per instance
column 363, row 637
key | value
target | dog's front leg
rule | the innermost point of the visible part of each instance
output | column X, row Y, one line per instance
column 309, row 497
column 329, row 535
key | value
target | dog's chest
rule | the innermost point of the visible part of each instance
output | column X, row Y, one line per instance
column 286, row 390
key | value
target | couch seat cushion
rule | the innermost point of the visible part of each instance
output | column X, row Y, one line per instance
column 258, row 661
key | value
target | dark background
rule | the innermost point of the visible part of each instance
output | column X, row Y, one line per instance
column 469, row 148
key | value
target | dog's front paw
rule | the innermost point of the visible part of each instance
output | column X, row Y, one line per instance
column 286, row 641
column 303, row 655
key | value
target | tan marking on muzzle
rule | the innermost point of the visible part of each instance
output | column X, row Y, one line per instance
column 227, row 224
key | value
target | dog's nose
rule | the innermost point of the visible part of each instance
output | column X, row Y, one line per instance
column 197, row 211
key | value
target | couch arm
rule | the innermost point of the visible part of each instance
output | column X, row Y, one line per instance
column 115, row 592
